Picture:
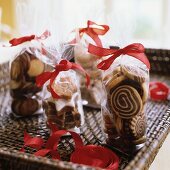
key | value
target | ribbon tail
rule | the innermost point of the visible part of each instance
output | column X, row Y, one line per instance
column 99, row 31
column 17, row 41
column 53, row 141
column 52, row 126
column 42, row 78
column 35, row 142
column 142, row 57
column 105, row 64
column 26, row 136
column 99, row 51
column 54, row 154
column 95, row 38
column 42, row 152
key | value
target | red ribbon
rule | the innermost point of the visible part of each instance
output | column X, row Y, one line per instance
column 34, row 142
column 158, row 91
column 135, row 50
column 96, row 156
column 64, row 65
column 91, row 155
column 93, row 32
column 17, row 41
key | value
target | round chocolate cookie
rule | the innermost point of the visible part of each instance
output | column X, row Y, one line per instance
column 125, row 101
column 134, row 128
column 24, row 106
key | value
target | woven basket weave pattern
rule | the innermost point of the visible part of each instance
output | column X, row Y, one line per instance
column 11, row 130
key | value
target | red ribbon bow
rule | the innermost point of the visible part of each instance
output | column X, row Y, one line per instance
column 17, row 41
column 64, row 65
column 135, row 50
column 92, row 155
column 158, row 91
column 93, row 32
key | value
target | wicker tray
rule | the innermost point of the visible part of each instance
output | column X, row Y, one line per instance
column 11, row 128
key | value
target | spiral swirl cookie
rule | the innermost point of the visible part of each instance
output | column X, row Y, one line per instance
column 125, row 101
column 135, row 128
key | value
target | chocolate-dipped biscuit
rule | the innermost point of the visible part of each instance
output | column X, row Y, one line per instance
column 125, row 101
column 25, row 106
column 16, row 72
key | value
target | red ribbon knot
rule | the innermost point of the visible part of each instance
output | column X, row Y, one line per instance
column 93, row 30
column 135, row 50
column 64, row 65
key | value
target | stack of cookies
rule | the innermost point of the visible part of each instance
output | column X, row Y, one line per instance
column 127, row 92
column 89, row 62
column 65, row 112
column 23, row 72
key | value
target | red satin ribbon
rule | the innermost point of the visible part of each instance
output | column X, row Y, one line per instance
column 93, row 32
column 17, row 41
column 34, row 142
column 91, row 155
column 158, row 91
column 96, row 156
column 64, row 65
column 135, row 50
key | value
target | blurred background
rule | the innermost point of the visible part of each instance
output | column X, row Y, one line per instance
column 145, row 21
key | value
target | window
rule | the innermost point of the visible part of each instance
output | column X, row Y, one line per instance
column 146, row 21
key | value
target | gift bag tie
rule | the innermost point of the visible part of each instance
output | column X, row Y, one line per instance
column 135, row 50
column 64, row 65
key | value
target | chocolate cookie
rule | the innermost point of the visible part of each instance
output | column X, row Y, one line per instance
column 24, row 106
column 134, row 128
column 125, row 101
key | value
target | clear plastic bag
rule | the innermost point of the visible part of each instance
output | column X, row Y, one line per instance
column 24, row 67
column 94, row 93
column 126, row 85
column 66, row 110
column 89, row 62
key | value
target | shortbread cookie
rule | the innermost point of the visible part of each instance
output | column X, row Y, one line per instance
column 36, row 68
column 65, row 87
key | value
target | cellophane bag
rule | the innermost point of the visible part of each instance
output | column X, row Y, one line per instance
column 24, row 67
column 126, row 85
column 94, row 93
column 66, row 112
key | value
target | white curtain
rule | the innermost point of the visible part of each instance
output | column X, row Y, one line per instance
column 145, row 21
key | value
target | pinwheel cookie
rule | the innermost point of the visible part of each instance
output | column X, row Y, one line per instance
column 127, row 93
